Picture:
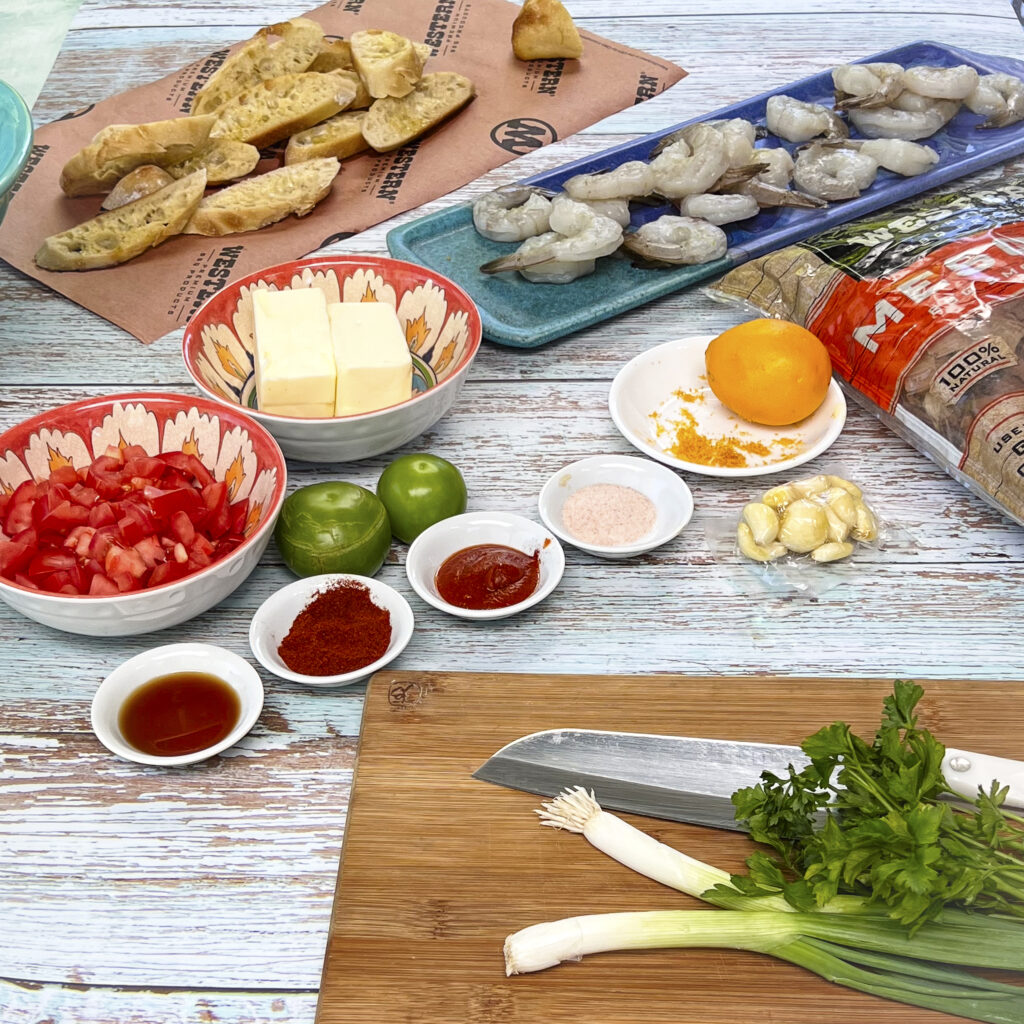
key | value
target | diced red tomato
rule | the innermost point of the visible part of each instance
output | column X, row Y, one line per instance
column 65, row 475
column 128, row 520
column 189, row 465
column 102, row 585
column 14, row 557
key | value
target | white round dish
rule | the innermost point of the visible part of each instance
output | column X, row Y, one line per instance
column 437, row 542
column 162, row 661
column 274, row 618
column 656, row 386
column 671, row 498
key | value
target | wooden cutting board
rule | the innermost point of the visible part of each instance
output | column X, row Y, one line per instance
column 437, row 868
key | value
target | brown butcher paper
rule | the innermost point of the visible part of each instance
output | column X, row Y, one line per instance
column 519, row 106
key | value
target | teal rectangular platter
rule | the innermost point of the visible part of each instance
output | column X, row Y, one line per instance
column 520, row 314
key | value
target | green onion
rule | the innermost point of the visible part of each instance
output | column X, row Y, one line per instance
column 846, row 941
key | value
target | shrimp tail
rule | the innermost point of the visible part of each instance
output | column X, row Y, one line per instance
column 772, row 195
column 847, row 101
column 1001, row 119
column 669, row 140
column 837, row 127
column 513, row 261
column 737, row 176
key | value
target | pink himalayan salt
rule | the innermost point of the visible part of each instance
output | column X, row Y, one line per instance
column 608, row 515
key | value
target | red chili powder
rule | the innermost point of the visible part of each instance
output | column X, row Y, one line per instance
column 340, row 630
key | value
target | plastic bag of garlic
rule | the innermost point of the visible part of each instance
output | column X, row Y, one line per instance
column 803, row 537
column 921, row 307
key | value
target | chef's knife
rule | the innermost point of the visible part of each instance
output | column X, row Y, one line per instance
column 686, row 779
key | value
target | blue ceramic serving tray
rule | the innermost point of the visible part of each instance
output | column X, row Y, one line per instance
column 524, row 315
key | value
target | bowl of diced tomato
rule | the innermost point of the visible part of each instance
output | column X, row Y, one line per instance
column 130, row 513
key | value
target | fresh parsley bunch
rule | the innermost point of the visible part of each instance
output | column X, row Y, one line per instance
column 870, row 820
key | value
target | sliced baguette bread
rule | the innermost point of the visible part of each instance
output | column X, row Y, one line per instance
column 544, row 29
column 334, row 55
column 119, row 235
column 143, row 181
column 340, row 136
column 260, row 59
column 257, row 202
column 392, row 122
column 282, row 106
column 362, row 98
column 387, row 62
column 120, row 148
column 223, row 159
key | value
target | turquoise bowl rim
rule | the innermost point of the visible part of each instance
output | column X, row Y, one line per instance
column 15, row 137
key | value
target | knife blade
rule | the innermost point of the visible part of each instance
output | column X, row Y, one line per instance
column 682, row 778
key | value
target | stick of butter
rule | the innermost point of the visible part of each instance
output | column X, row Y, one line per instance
column 295, row 371
column 373, row 362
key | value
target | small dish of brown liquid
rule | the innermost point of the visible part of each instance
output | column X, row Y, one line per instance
column 176, row 704
column 179, row 713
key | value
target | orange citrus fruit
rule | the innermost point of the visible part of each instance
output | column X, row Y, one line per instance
column 768, row 371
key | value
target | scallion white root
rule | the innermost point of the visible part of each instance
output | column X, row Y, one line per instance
column 577, row 810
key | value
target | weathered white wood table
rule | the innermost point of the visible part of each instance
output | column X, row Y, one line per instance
column 131, row 895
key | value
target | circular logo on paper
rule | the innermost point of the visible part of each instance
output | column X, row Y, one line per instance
column 521, row 135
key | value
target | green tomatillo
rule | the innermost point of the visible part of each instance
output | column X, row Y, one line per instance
column 419, row 490
column 333, row 527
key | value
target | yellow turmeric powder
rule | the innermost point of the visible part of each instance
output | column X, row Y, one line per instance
column 690, row 445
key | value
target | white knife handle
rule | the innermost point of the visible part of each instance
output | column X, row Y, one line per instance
column 966, row 771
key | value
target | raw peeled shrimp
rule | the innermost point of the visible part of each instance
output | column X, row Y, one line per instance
column 766, row 180
column 796, row 121
column 683, row 240
column 617, row 209
column 578, row 235
column 779, row 166
column 692, row 165
column 737, row 133
column 1000, row 98
column 719, row 209
column 512, row 213
column 899, row 155
column 893, row 123
column 867, row 85
column 830, row 172
column 628, row 180
column 941, row 83
column 548, row 270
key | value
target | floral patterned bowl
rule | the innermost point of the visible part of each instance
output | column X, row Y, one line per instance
column 441, row 324
column 230, row 445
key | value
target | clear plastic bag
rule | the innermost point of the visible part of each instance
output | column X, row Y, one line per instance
column 810, row 535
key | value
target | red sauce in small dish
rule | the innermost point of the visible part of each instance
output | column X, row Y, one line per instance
column 488, row 576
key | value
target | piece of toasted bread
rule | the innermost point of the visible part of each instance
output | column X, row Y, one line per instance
column 544, row 29
column 120, row 148
column 334, row 55
column 362, row 98
column 143, row 181
column 259, row 59
column 392, row 122
column 339, row 136
column 257, row 202
column 282, row 106
column 223, row 159
column 119, row 235
column 387, row 62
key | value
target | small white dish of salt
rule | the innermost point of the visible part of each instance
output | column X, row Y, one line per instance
column 615, row 506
